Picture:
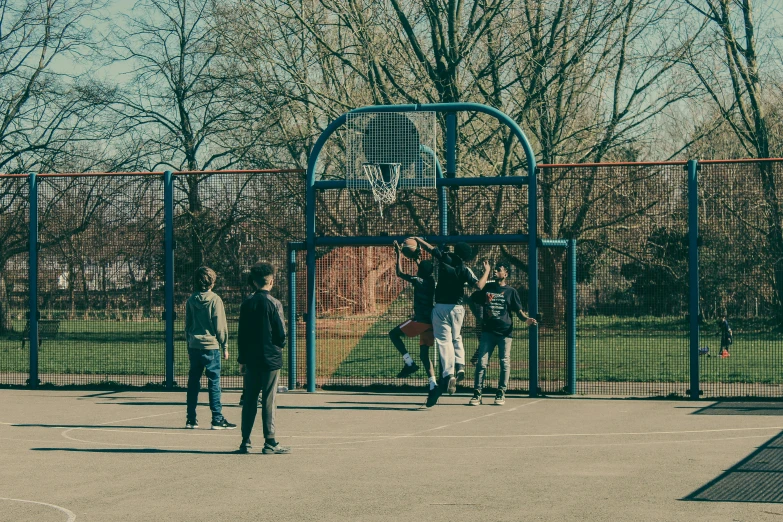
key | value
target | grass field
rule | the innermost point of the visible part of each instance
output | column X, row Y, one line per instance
column 609, row 349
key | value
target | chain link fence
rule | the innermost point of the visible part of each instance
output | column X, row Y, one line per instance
column 101, row 275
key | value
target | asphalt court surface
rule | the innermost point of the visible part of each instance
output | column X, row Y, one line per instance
column 102, row 456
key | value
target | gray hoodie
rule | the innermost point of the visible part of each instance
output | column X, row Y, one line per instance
column 205, row 322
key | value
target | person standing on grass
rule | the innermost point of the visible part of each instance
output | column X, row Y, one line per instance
column 207, row 336
column 498, row 301
column 449, row 312
column 261, row 338
column 726, row 336
column 420, row 323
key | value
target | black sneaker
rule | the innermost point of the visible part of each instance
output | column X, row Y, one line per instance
column 408, row 370
column 460, row 372
column 476, row 399
column 223, row 424
column 500, row 398
column 432, row 396
column 245, row 447
column 191, row 424
column 278, row 449
column 451, row 386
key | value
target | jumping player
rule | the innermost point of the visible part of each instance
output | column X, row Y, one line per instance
column 420, row 323
column 449, row 312
column 498, row 301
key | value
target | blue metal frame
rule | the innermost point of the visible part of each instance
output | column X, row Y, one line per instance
column 168, row 217
column 571, row 317
column 292, row 248
column 450, row 109
column 32, row 267
column 693, row 275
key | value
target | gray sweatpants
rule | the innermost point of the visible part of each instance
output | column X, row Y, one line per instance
column 447, row 328
column 486, row 346
column 263, row 383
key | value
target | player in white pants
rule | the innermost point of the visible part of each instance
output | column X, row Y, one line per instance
column 448, row 313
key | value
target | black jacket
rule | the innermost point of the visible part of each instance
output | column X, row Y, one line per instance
column 261, row 332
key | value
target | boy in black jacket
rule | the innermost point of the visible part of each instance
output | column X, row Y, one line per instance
column 261, row 338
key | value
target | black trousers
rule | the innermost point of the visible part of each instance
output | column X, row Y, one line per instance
column 264, row 383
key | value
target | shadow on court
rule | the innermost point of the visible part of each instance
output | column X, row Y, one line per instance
column 358, row 406
column 97, row 426
column 742, row 408
column 135, row 450
column 757, row 478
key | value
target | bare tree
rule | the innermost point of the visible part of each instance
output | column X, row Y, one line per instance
column 179, row 97
column 44, row 114
column 727, row 63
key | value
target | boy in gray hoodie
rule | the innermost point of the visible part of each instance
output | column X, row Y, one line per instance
column 207, row 335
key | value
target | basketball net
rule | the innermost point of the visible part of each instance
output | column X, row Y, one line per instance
column 383, row 178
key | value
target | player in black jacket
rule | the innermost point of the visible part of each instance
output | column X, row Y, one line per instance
column 261, row 339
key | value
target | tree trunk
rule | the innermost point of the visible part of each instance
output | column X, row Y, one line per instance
column 194, row 207
column 85, row 292
column 71, row 291
column 5, row 304
column 551, row 298
column 775, row 233
column 104, row 287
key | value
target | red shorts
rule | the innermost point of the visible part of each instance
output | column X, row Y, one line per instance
column 413, row 328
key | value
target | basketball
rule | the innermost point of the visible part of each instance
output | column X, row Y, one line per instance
column 410, row 248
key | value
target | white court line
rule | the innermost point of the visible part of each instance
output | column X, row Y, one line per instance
column 409, row 435
column 607, row 444
column 71, row 516
column 65, row 433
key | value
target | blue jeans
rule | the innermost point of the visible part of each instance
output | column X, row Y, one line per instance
column 487, row 345
column 204, row 361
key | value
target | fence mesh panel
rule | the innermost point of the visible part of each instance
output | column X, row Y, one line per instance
column 632, row 273
column 100, row 280
column 229, row 222
column 14, row 307
column 741, row 253
column 101, row 274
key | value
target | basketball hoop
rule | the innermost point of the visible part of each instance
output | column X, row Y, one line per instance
column 383, row 178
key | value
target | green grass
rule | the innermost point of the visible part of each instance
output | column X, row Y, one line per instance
column 609, row 349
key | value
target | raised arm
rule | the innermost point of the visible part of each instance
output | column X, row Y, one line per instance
column 426, row 246
column 400, row 273
column 483, row 281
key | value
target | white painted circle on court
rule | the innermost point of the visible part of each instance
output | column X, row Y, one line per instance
column 71, row 516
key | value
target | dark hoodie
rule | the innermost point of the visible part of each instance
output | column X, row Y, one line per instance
column 205, row 322
column 261, row 335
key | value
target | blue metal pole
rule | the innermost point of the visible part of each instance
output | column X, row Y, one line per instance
column 693, row 275
column 168, row 218
column 571, row 316
column 451, row 145
column 486, row 239
column 312, row 163
column 444, row 182
column 532, row 219
column 291, row 317
column 32, row 275
column 532, row 274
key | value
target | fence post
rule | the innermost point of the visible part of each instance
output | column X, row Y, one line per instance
column 168, row 219
column 32, row 267
column 532, row 275
column 291, row 317
column 571, row 316
column 693, row 276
